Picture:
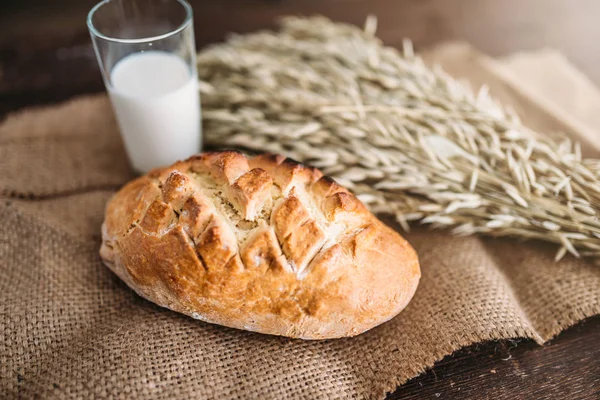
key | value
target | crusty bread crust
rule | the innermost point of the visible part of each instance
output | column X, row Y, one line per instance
column 263, row 244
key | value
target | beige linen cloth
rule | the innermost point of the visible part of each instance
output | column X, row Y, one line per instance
column 70, row 328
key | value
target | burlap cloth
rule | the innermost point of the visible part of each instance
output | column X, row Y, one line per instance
column 70, row 328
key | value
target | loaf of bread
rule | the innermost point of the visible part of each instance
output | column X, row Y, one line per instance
column 263, row 244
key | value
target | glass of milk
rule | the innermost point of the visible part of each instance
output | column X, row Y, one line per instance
column 147, row 56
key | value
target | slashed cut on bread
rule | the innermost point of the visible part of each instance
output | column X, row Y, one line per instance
column 263, row 244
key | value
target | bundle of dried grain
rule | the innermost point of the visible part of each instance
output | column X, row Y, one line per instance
column 408, row 139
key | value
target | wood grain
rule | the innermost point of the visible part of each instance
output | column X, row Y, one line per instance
column 565, row 368
column 46, row 56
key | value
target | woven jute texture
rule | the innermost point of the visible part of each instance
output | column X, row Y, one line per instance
column 70, row 328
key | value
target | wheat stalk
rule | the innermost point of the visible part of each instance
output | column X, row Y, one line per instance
column 407, row 139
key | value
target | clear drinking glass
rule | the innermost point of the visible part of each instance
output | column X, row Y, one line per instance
column 147, row 56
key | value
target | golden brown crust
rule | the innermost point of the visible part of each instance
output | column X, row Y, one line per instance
column 262, row 244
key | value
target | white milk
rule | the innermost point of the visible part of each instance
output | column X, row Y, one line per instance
column 156, row 101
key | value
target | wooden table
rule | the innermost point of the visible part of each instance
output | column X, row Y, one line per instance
column 46, row 56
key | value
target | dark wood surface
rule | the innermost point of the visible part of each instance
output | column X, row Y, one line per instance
column 46, row 56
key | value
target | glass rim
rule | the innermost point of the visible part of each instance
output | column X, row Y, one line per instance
column 94, row 31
